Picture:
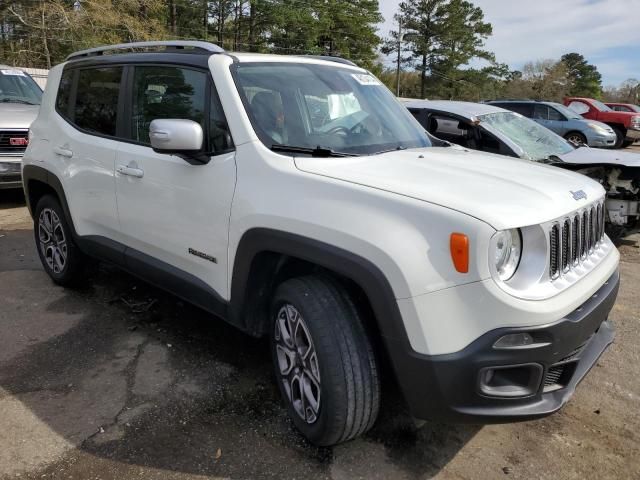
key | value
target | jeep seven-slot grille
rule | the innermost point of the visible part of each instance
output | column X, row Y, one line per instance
column 574, row 238
column 6, row 137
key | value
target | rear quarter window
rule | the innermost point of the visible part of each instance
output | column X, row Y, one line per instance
column 64, row 93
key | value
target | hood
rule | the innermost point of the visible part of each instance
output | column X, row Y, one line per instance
column 593, row 156
column 17, row 115
column 501, row 191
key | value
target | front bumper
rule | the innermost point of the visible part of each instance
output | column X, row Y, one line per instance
column 447, row 388
column 10, row 173
column 602, row 141
column 633, row 135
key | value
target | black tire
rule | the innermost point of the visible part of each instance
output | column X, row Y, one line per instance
column 349, row 386
column 620, row 136
column 576, row 137
column 627, row 143
column 73, row 269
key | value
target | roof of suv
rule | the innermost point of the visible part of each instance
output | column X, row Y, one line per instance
column 194, row 53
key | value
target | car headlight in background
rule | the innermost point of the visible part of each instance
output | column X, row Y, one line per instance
column 507, row 250
column 599, row 129
column 635, row 123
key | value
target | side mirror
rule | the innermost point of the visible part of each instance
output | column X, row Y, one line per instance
column 179, row 137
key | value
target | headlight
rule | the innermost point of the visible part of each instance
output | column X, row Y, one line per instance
column 599, row 128
column 635, row 123
column 507, row 249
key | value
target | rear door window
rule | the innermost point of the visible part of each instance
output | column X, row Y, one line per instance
column 96, row 105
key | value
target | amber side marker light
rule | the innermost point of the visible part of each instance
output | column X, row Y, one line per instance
column 459, row 245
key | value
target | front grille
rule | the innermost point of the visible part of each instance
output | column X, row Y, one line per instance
column 566, row 252
column 559, row 374
column 5, row 141
column 573, row 239
column 554, row 264
column 553, row 376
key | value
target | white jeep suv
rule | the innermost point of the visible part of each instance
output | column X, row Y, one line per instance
column 294, row 197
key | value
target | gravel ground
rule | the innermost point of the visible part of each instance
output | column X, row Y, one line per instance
column 118, row 380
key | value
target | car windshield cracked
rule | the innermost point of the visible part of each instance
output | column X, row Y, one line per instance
column 324, row 110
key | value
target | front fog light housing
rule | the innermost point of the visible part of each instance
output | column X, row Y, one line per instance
column 507, row 250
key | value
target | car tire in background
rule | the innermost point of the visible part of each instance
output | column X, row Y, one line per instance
column 61, row 258
column 576, row 137
column 627, row 143
column 324, row 362
column 620, row 136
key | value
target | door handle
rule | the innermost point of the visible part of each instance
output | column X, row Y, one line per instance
column 130, row 171
column 63, row 151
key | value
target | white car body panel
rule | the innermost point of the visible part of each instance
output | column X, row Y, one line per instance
column 470, row 176
column 175, row 207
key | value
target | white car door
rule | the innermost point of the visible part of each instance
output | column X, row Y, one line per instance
column 175, row 212
column 83, row 141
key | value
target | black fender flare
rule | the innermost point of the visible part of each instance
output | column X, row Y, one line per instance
column 361, row 271
column 40, row 174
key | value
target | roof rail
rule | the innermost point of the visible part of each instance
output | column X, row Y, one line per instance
column 200, row 47
column 329, row 58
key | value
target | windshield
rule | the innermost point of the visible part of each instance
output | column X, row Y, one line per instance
column 18, row 87
column 567, row 112
column 601, row 106
column 537, row 142
column 325, row 108
column 635, row 108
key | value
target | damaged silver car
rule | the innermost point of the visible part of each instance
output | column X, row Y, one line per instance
column 491, row 129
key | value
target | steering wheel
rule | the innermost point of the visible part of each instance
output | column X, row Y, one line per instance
column 340, row 129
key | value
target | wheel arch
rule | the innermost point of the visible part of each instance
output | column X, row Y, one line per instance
column 39, row 181
column 265, row 257
column 619, row 126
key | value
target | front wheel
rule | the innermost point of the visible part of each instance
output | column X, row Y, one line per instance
column 324, row 362
column 576, row 138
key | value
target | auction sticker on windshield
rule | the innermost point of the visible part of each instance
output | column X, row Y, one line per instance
column 15, row 73
column 365, row 79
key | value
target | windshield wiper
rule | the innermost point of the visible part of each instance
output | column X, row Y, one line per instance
column 394, row 149
column 314, row 152
column 15, row 100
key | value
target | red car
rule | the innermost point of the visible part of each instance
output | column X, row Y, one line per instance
column 624, row 107
column 625, row 124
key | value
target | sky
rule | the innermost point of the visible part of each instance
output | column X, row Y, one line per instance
column 606, row 32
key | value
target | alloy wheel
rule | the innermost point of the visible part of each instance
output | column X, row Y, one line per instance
column 297, row 363
column 53, row 243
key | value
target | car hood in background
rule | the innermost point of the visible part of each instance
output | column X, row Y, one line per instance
column 17, row 115
column 593, row 156
column 502, row 191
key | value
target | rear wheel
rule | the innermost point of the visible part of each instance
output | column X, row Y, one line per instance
column 60, row 257
column 324, row 362
column 577, row 138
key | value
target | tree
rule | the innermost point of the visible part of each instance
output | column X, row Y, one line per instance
column 586, row 81
column 443, row 36
column 627, row 92
column 540, row 80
